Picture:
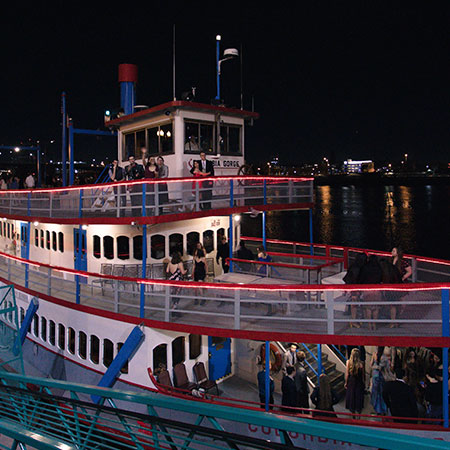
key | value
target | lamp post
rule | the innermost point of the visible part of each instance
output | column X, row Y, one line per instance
column 229, row 53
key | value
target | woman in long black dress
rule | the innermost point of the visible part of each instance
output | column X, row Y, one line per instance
column 199, row 269
column 354, row 383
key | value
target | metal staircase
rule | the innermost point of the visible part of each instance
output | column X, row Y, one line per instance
column 337, row 377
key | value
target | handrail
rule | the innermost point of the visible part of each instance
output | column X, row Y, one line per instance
column 157, row 181
column 344, row 248
column 338, row 351
column 64, row 408
column 279, row 264
column 233, row 286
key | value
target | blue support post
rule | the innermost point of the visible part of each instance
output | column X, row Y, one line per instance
column 26, row 323
column 267, row 377
column 264, row 237
column 144, row 274
column 217, row 68
column 230, row 237
column 27, row 254
column 71, row 155
column 445, row 298
column 78, row 256
column 319, row 361
column 64, row 140
column 125, row 354
column 311, row 238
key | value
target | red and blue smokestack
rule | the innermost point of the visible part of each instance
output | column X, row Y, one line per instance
column 128, row 80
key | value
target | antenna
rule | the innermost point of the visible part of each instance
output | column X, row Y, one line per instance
column 173, row 67
column 242, row 82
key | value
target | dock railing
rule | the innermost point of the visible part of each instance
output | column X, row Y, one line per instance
column 150, row 197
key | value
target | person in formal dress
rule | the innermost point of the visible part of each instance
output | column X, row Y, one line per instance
column 301, row 381
column 324, row 397
column 207, row 170
column 223, row 252
column 116, row 173
column 399, row 397
column 262, row 386
column 163, row 172
column 289, row 358
column 354, row 383
column 288, row 390
column 135, row 171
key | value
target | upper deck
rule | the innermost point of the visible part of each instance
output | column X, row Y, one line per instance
column 156, row 201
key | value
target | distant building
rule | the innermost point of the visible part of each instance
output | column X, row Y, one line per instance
column 365, row 166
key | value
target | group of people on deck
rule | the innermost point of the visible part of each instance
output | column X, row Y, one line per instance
column 374, row 270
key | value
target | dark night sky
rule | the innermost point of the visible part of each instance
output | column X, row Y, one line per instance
column 340, row 79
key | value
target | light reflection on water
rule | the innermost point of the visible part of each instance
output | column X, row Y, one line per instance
column 379, row 217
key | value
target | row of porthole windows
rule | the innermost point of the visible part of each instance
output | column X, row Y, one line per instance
column 7, row 230
column 88, row 346
column 178, row 351
column 49, row 240
column 157, row 244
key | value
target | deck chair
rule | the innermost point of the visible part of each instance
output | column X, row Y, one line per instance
column 131, row 271
column 105, row 269
column 202, row 379
column 210, row 273
column 181, row 379
column 164, row 378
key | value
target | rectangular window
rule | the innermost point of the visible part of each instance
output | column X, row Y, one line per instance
column 124, row 369
column 61, row 336
column 47, row 238
column 137, row 247
column 95, row 349
column 108, row 352
column 140, row 142
column 36, row 325
column 96, row 246
column 71, row 343
column 82, row 344
column 230, row 140
column 54, row 241
column 9, row 230
column 199, row 136
column 178, row 351
column 44, row 329
column 152, row 140
column 42, row 238
column 36, row 237
column 61, row 241
column 195, row 346
column 129, row 146
column 52, row 332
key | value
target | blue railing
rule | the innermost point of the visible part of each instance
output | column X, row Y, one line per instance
column 31, row 414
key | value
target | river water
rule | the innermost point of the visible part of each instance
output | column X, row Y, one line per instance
column 377, row 217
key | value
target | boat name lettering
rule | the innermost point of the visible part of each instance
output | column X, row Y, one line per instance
column 226, row 163
column 294, row 435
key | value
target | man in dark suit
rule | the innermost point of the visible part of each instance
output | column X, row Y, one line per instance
column 207, row 170
column 399, row 398
column 301, row 381
column 289, row 390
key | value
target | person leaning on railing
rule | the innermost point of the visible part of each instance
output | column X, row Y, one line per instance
column 116, row 173
column 135, row 171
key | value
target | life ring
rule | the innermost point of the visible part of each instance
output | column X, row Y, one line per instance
column 275, row 356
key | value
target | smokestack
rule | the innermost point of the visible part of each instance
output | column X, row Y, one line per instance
column 128, row 79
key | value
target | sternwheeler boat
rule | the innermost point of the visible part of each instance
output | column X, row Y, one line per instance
column 95, row 305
